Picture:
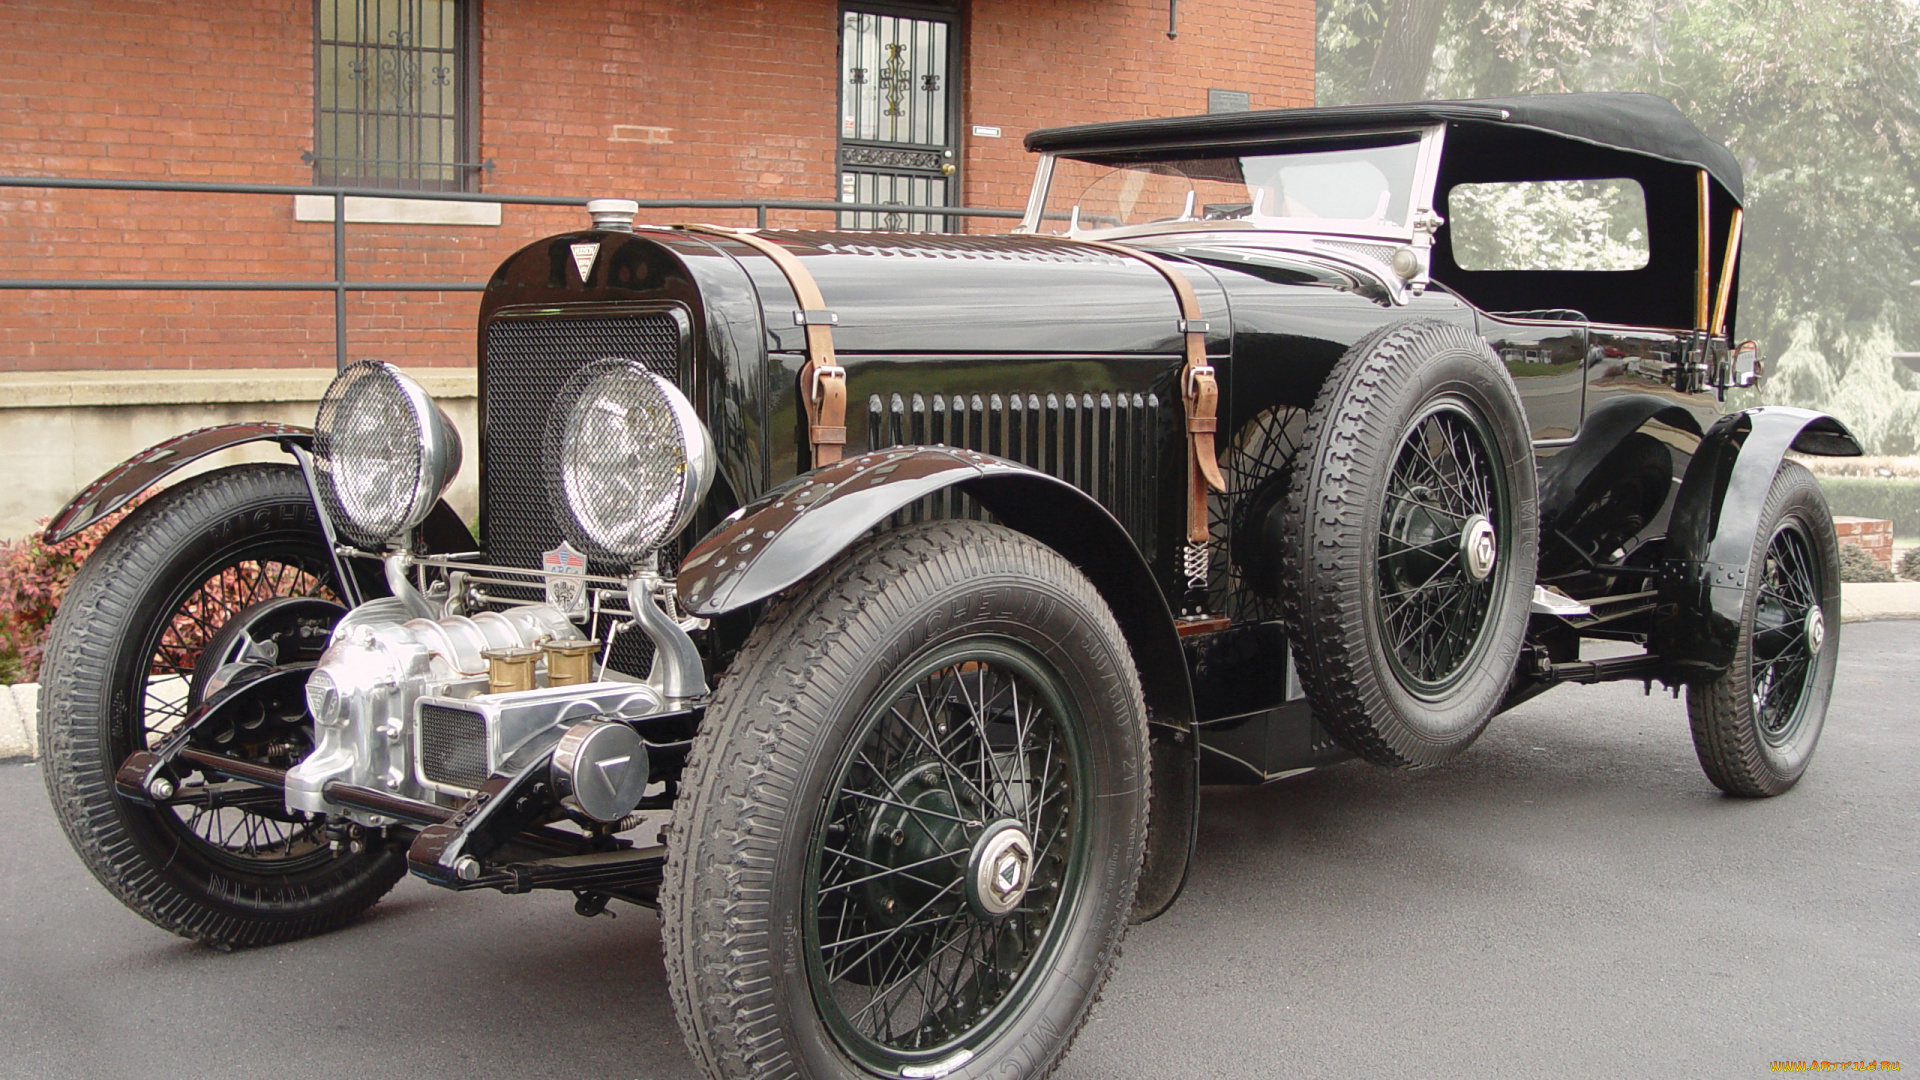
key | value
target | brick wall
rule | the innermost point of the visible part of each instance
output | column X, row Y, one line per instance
column 715, row 99
column 1038, row 65
column 1873, row 536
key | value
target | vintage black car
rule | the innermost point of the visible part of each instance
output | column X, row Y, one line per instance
column 917, row 583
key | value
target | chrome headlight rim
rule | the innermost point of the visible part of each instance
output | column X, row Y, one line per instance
column 626, row 533
column 353, row 481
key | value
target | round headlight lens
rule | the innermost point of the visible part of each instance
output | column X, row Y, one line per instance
column 384, row 452
column 632, row 457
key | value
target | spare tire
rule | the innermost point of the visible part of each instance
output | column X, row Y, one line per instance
column 1408, row 543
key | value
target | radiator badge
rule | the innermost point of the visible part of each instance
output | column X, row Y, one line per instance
column 566, row 571
column 583, row 256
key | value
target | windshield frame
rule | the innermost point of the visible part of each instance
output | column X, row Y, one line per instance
column 1418, row 231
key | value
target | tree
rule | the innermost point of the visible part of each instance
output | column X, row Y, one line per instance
column 1820, row 101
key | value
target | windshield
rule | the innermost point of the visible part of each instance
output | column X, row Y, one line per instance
column 1363, row 188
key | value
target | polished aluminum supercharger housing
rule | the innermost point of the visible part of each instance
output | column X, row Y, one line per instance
column 401, row 705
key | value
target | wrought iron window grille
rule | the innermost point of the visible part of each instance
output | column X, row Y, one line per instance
column 394, row 86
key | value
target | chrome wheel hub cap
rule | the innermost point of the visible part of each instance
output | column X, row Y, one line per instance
column 1479, row 547
column 1816, row 629
column 999, row 869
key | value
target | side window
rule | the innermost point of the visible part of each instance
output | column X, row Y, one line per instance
column 393, row 94
column 1549, row 225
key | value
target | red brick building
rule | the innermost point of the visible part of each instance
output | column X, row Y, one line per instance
column 919, row 103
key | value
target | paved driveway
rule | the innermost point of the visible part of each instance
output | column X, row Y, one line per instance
column 1569, row 899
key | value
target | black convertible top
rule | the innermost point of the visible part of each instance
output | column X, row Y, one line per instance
column 1637, row 123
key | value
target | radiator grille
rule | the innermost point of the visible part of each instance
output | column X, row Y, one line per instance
column 453, row 747
column 529, row 360
column 1102, row 443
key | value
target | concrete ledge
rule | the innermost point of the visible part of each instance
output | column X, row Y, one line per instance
column 122, row 389
column 1860, row 602
column 19, row 722
column 61, row 429
column 370, row 209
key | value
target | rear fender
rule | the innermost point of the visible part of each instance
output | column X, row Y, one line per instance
column 1710, row 537
column 802, row 525
column 1603, row 430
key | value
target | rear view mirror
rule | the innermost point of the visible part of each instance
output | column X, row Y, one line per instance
column 1746, row 364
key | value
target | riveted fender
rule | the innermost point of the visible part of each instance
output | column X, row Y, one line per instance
column 801, row 525
column 122, row 483
column 1715, row 516
column 442, row 532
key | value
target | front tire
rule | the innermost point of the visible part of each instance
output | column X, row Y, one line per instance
column 221, row 862
column 1408, row 543
column 915, row 818
column 1756, row 725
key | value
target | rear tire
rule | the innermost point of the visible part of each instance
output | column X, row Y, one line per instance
column 1409, row 543
column 124, row 656
column 889, row 733
column 1755, row 727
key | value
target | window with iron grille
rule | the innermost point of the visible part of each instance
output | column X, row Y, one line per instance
column 394, row 84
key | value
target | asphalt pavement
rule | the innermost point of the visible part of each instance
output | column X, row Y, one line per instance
column 1569, row 898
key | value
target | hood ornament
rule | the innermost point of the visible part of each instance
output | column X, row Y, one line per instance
column 583, row 257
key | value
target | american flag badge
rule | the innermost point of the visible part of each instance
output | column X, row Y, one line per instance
column 566, row 571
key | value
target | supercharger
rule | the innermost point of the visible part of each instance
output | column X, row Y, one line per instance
column 410, row 706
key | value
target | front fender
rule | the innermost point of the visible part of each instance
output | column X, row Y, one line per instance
column 798, row 527
column 122, row 483
column 1716, row 516
column 442, row 533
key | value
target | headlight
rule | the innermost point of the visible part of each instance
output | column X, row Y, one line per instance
column 631, row 459
column 384, row 452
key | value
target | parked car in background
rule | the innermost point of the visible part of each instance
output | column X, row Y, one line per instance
column 924, row 579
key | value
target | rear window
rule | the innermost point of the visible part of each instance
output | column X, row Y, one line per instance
column 1549, row 225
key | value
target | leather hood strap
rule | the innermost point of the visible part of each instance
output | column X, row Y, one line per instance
column 823, row 382
column 1199, row 391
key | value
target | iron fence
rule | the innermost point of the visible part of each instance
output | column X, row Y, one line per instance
column 340, row 285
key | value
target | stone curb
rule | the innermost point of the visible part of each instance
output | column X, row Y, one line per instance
column 1863, row 601
column 19, row 722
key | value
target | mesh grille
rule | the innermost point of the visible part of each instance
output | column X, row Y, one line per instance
column 453, row 747
column 627, row 449
column 529, row 362
column 1380, row 253
column 367, row 453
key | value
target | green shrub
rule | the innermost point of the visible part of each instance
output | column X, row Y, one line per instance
column 1858, row 567
column 33, row 577
column 1896, row 500
column 1910, row 564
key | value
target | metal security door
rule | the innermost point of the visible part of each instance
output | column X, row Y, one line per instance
column 896, row 119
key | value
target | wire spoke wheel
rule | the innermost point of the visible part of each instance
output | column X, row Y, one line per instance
column 1784, row 649
column 218, row 580
column 1408, row 543
column 910, row 833
column 922, row 926
column 1756, row 725
column 242, row 832
column 1256, row 468
column 1444, row 496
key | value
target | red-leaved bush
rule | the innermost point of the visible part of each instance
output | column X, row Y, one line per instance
column 33, row 577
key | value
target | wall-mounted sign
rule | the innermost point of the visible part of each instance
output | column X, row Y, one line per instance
column 1219, row 101
column 982, row 131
